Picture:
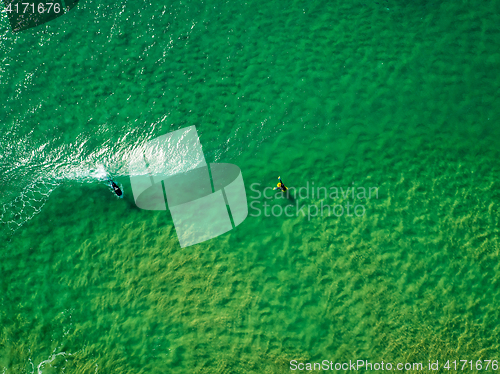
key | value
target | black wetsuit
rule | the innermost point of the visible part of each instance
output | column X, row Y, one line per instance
column 282, row 187
column 117, row 190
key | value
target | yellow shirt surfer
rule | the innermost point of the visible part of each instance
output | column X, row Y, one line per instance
column 281, row 185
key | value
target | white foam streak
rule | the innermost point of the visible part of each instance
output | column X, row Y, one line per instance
column 49, row 361
column 40, row 169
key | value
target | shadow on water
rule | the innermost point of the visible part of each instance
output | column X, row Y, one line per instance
column 24, row 15
column 288, row 195
column 129, row 200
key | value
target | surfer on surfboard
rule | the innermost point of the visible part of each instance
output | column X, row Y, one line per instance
column 116, row 189
column 102, row 174
column 281, row 186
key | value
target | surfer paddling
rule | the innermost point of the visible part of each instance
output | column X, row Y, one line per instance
column 281, row 186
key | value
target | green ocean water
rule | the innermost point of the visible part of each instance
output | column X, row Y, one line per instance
column 403, row 97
